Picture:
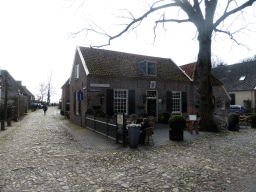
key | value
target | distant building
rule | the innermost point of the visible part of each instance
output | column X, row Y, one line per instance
column 240, row 82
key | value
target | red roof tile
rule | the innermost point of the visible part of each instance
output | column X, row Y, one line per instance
column 190, row 70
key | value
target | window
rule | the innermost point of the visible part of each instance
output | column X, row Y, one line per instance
column 242, row 78
column 77, row 71
column 120, row 101
column 151, row 68
column 77, row 104
column 176, row 102
column 233, row 99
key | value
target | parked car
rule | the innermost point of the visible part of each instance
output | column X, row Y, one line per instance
column 238, row 109
column 36, row 105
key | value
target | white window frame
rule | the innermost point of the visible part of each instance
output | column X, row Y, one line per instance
column 116, row 103
column 148, row 68
column 77, row 71
column 176, row 99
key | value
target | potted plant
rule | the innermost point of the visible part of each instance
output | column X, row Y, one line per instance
column 97, row 106
column 233, row 122
column 177, row 124
column 133, row 118
column 253, row 119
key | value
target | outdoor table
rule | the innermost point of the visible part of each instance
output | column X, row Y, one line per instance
column 193, row 124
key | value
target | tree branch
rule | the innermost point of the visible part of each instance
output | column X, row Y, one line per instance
column 134, row 21
column 241, row 7
column 230, row 35
column 173, row 20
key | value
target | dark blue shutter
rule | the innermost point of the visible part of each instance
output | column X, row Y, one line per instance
column 131, row 102
column 74, row 102
column 184, row 102
column 110, row 102
column 169, row 101
column 80, row 107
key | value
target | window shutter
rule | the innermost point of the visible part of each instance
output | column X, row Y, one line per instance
column 74, row 102
column 169, row 101
column 184, row 102
column 80, row 107
column 131, row 102
column 110, row 102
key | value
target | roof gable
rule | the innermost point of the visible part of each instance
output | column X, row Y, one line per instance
column 189, row 69
column 113, row 63
column 231, row 76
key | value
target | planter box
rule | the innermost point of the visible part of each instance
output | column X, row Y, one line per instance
column 176, row 135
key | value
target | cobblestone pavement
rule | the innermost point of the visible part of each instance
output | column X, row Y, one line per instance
column 44, row 153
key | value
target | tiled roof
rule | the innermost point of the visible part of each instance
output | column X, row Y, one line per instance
column 113, row 63
column 190, row 69
column 66, row 83
column 229, row 75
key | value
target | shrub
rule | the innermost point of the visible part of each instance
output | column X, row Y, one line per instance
column 253, row 118
column 177, row 122
column 233, row 118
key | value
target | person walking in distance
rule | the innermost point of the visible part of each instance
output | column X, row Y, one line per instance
column 45, row 108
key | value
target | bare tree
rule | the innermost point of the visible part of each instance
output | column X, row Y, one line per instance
column 216, row 60
column 50, row 88
column 253, row 58
column 208, row 17
column 42, row 91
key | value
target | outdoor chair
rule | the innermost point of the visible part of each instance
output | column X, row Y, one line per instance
column 149, row 132
column 151, row 121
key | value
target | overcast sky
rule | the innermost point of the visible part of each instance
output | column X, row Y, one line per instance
column 34, row 37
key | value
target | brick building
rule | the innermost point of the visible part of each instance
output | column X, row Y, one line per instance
column 65, row 97
column 117, row 82
column 16, row 92
column 221, row 97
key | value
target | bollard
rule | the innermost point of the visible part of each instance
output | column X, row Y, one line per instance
column 9, row 122
column 2, row 125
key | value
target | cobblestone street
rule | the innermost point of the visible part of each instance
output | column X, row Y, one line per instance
column 48, row 153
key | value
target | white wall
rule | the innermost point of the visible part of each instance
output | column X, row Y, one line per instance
column 240, row 96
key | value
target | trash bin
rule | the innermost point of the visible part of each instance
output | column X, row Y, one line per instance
column 134, row 133
column 2, row 125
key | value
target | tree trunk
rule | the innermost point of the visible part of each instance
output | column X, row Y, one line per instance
column 204, row 75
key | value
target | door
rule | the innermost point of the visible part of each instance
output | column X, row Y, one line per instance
column 151, row 107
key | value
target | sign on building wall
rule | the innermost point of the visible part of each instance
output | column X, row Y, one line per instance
column 152, row 84
column 80, row 96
